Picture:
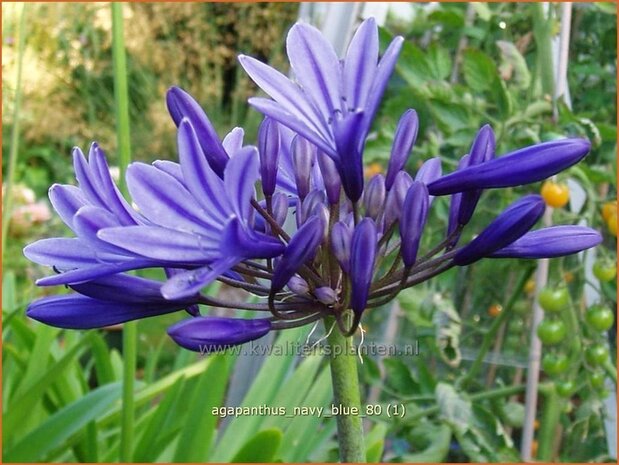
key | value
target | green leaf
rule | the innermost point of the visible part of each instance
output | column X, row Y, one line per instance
column 261, row 448
column 479, row 70
column 455, row 410
column 448, row 328
column 102, row 360
column 9, row 300
column 63, row 424
column 23, row 402
column 375, row 443
column 195, row 442
column 482, row 10
column 399, row 377
column 439, row 62
column 437, row 439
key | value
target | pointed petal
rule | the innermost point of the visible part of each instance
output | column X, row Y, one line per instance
column 233, row 142
column 180, row 105
column 301, row 248
column 316, row 67
column 166, row 202
column 62, row 252
column 122, row 288
column 240, row 177
column 282, row 115
column 157, row 243
column 189, row 283
column 66, row 200
column 96, row 271
column 360, row 64
column 269, row 148
column 200, row 179
column 287, row 94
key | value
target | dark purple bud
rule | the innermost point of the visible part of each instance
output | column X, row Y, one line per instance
column 396, row 196
column 301, row 248
column 413, row 221
column 341, row 237
column 403, row 141
column 82, row 312
column 523, row 166
column 182, row 105
column 330, row 177
column 454, row 205
column 268, row 146
column 303, row 157
column 326, row 295
column 374, row 196
column 348, row 134
column 511, row 224
column 208, row 334
column 482, row 150
column 279, row 206
column 362, row 255
column 555, row 241
column 298, row 285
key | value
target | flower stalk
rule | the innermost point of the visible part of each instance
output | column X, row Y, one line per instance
column 121, row 94
column 346, row 395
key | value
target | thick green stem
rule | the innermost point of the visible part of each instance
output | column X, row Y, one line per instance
column 121, row 94
column 13, row 151
column 542, row 31
column 346, row 395
column 553, row 405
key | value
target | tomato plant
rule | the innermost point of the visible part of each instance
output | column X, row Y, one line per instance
column 554, row 300
column 596, row 354
column 555, row 195
column 599, row 317
column 555, row 363
column 495, row 310
column 605, row 270
column 597, row 379
column 551, row 332
column 566, row 388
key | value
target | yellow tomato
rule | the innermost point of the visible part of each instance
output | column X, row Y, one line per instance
column 555, row 195
column 611, row 223
column 529, row 287
column 608, row 209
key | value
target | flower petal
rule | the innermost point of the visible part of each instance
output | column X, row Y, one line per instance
column 360, row 64
column 189, row 283
column 403, row 141
column 413, row 221
column 362, row 256
column 213, row 334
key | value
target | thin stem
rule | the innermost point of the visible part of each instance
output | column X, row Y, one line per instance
column 346, row 395
column 121, row 94
column 13, row 152
column 496, row 324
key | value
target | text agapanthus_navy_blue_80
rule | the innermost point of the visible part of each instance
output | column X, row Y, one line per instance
column 315, row 239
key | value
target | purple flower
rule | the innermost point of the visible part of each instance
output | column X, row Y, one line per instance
column 523, row 166
column 510, row 225
column 555, row 241
column 268, row 147
column 362, row 256
column 413, row 221
column 341, row 238
column 374, row 196
column 403, row 141
column 333, row 105
column 214, row 334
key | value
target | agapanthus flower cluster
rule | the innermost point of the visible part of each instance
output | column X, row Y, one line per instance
column 315, row 239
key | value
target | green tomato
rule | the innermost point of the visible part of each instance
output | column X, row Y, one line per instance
column 516, row 326
column 551, row 332
column 522, row 308
column 605, row 270
column 596, row 354
column 554, row 364
column 597, row 379
column 600, row 318
column 566, row 388
column 512, row 342
column 554, row 300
